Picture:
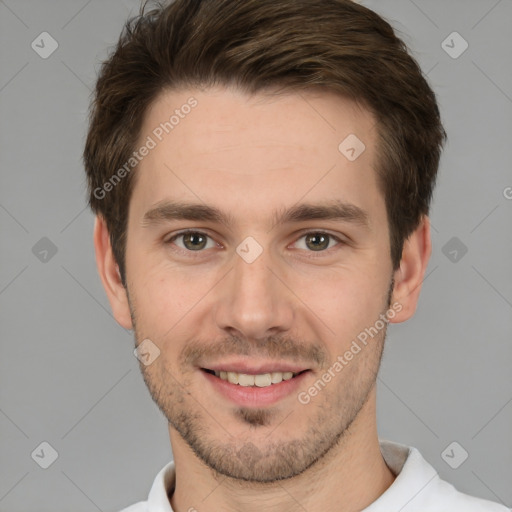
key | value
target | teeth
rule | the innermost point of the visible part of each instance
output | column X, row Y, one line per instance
column 232, row 377
column 262, row 380
column 245, row 380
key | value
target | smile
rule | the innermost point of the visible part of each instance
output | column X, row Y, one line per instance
column 261, row 380
column 263, row 387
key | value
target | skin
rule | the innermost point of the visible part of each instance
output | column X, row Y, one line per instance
column 248, row 155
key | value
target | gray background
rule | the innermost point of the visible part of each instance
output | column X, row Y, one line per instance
column 68, row 373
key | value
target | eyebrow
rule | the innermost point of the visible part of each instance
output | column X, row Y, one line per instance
column 331, row 210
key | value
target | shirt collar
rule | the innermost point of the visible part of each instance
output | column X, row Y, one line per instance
column 162, row 489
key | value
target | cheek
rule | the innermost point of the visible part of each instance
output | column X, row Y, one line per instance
column 347, row 301
column 169, row 300
column 165, row 297
column 353, row 289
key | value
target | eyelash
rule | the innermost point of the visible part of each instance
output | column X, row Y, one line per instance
column 302, row 234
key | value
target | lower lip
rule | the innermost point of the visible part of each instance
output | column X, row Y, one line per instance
column 253, row 396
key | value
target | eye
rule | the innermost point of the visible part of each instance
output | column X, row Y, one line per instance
column 193, row 241
column 317, row 241
column 197, row 241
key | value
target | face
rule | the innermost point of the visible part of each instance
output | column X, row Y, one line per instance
column 258, row 251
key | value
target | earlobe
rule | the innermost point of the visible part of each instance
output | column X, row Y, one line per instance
column 413, row 264
column 110, row 275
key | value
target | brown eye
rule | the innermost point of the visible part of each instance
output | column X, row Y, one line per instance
column 191, row 241
column 194, row 241
column 317, row 241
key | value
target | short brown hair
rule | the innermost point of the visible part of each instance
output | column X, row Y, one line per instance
column 258, row 45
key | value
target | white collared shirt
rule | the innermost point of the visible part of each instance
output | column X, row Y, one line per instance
column 417, row 488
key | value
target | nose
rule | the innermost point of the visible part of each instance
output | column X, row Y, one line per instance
column 254, row 301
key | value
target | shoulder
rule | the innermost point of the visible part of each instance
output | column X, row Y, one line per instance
column 419, row 488
column 446, row 495
column 158, row 498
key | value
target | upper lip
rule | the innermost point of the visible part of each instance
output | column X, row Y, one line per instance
column 254, row 368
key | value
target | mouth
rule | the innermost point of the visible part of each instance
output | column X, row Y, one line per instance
column 254, row 386
column 260, row 380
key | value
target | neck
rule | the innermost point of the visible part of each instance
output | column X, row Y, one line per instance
column 351, row 476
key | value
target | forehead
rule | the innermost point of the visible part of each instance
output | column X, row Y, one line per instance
column 221, row 118
column 247, row 152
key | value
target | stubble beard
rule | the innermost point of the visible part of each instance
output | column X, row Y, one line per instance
column 266, row 460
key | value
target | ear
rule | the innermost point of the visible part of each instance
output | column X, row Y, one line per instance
column 110, row 276
column 413, row 264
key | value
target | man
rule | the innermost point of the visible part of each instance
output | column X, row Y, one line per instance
column 261, row 173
